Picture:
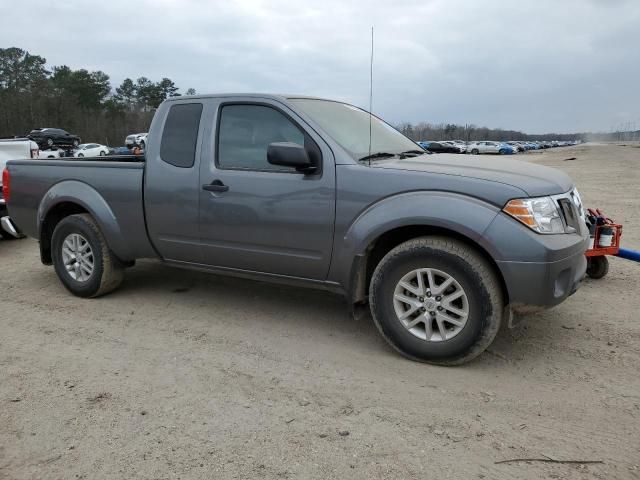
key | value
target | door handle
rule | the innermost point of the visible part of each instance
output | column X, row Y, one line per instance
column 215, row 186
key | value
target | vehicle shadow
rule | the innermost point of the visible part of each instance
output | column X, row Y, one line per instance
column 302, row 311
column 247, row 303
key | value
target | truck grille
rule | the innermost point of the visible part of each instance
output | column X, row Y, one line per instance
column 570, row 206
column 569, row 213
column 577, row 201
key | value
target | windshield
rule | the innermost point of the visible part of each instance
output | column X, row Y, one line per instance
column 349, row 126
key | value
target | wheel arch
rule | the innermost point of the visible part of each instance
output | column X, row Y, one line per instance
column 73, row 197
column 403, row 217
column 365, row 264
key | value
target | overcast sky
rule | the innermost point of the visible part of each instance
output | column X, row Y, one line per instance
column 534, row 65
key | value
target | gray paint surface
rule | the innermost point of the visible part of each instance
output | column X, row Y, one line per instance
column 307, row 228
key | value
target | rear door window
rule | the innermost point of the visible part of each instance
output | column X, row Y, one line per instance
column 180, row 135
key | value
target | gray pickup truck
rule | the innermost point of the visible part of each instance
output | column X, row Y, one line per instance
column 306, row 191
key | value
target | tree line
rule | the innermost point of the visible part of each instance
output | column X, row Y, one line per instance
column 470, row 133
column 80, row 101
column 85, row 103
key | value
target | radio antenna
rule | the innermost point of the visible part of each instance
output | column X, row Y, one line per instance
column 370, row 93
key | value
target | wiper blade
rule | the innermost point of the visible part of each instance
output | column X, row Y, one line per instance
column 413, row 153
column 377, row 155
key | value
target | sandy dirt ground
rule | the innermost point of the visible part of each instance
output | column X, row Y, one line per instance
column 187, row 375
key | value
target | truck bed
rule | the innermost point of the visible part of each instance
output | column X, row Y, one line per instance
column 113, row 184
column 105, row 159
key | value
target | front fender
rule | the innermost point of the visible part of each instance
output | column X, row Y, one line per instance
column 87, row 197
column 466, row 216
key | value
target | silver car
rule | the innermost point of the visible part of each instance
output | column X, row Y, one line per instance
column 136, row 139
column 476, row 148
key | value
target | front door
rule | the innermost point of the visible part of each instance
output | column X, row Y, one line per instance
column 261, row 217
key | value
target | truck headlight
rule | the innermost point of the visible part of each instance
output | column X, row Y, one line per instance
column 540, row 214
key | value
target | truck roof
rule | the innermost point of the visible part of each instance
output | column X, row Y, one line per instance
column 272, row 96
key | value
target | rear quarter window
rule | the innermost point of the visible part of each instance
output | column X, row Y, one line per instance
column 180, row 134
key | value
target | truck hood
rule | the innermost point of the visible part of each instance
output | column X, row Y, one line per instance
column 534, row 180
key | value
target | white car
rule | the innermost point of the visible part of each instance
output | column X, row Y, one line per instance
column 489, row 147
column 13, row 149
column 91, row 150
column 17, row 149
column 50, row 154
column 136, row 139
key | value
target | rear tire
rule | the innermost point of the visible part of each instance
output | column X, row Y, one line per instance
column 436, row 340
column 106, row 272
column 50, row 142
column 475, row 151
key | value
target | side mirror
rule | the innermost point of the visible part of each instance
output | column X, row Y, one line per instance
column 288, row 154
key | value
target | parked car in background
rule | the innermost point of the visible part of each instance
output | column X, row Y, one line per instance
column 91, row 150
column 460, row 148
column 119, row 151
column 15, row 148
column 136, row 139
column 53, row 153
column 439, row 147
column 12, row 149
column 461, row 144
column 517, row 146
column 476, row 148
column 53, row 137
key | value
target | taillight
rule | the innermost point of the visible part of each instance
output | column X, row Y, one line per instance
column 6, row 190
column 34, row 153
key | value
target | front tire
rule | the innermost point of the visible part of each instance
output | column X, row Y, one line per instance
column 82, row 259
column 436, row 300
column 475, row 151
column 50, row 142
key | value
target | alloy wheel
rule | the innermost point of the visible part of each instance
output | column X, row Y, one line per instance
column 77, row 257
column 431, row 304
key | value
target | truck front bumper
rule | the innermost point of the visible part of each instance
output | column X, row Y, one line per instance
column 535, row 286
column 541, row 271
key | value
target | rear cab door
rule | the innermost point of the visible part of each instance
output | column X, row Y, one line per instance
column 171, row 183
